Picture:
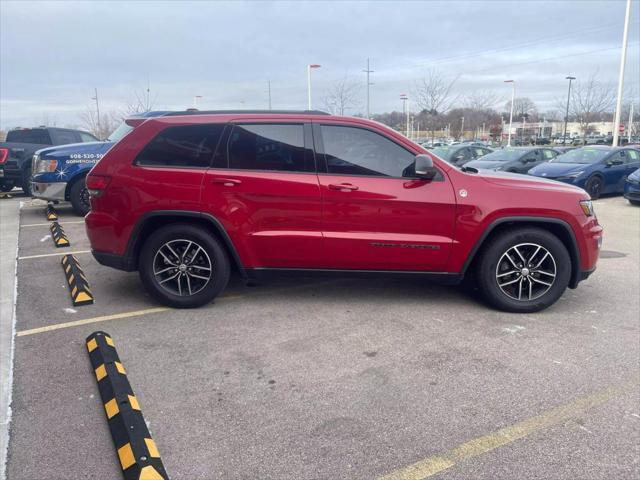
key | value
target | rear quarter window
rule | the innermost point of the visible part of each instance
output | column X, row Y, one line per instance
column 191, row 146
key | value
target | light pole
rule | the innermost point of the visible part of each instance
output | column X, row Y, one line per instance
column 513, row 99
column 405, row 110
column 309, row 67
column 462, row 130
column 195, row 100
column 99, row 133
column 269, row 87
column 623, row 60
column 368, row 71
column 566, row 115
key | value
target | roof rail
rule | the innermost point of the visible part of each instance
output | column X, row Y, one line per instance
column 226, row 112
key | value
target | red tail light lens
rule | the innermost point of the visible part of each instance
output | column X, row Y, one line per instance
column 96, row 184
column 4, row 154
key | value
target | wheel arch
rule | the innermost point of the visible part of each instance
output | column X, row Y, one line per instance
column 152, row 221
column 559, row 228
column 74, row 180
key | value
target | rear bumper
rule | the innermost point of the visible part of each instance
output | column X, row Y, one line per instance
column 49, row 191
column 11, row 172
column 119, row 262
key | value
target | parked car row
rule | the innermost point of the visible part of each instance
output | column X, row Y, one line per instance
column 597, row 169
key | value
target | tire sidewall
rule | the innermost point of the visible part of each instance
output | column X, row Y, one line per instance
column 217, row 254
column 26, row 182
column 75, row 195
column 498, row 246
column 588, row 183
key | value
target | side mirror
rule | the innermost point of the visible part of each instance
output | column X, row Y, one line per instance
column 424, row 167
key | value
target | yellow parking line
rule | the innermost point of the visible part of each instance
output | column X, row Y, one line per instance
column 77, row 252
column 104, row 318
column 478, row 446
column 49, row 223
column 137, row 313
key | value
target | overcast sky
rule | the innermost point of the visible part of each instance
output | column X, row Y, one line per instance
column 53, row 54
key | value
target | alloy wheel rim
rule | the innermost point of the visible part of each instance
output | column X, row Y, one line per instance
column 182, row 267
column 526, row 272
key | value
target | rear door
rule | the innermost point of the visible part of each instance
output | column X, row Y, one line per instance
column 263, row 188
column 377, row 214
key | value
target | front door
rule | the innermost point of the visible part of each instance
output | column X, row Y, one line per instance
column 377, row 215
column 264, row 190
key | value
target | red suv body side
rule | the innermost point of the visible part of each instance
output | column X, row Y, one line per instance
column 322, row 221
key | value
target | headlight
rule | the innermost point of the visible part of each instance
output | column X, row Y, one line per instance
column 573, row 175
column 45, row 166
column 587, row 208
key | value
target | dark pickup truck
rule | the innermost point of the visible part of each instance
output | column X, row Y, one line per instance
column 18, row 149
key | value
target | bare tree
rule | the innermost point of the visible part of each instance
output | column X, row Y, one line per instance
column 481, row 100
column 142, row 102
column 434, row 95
column 590, row 100
column 103, row 128
column 341, row 96
column 522, row 107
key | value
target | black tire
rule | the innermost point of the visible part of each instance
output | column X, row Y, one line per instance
column 492, row 261
column 6, row 187
column 79, row 196
column 26, row 182
column 594, row 186
column 175, row 235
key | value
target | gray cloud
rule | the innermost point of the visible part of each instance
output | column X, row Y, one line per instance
column 54, row 53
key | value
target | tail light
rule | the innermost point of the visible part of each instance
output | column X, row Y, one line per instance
column 4, row 154
column 96, row 184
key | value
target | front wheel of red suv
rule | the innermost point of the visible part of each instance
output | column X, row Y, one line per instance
column 183, row 266
column 523, row 270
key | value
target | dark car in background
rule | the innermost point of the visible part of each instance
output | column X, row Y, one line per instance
column 514, row 159
column 632, row 188
column 20, row 145
column 460, row 154
column 597, row 169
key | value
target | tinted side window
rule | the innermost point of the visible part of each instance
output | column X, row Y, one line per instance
column 356, row 151
column 633, row 155
column 277, row 147
column 85, row 137
column 183, row 146
column 64, row 137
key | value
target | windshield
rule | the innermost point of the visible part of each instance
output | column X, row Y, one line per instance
column 119, row 132
column 504, row 155
column 582, row 155
column 444, row 152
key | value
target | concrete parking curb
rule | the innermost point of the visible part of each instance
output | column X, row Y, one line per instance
column 78, row 283
column 137, row 452
column 59, row 237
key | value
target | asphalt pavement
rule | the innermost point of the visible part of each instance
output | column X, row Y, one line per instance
column 331, row 379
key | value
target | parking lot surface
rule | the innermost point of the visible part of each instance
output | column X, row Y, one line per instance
column 332, row 379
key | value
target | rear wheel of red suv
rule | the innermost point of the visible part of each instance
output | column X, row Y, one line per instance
column 183, row 266
column 523, row 270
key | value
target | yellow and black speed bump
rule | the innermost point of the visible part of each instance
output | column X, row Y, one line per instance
column 137, row 452
column 52, row 216
column 59, row 237
column 78, row 283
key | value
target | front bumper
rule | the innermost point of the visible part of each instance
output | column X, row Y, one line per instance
column 49, row 191
column 632, row 191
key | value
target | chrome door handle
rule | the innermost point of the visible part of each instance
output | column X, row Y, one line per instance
column 343, row 187
column 227, row 182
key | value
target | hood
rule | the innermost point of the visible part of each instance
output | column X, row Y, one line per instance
column 553, row 170
column 64, row 151
column 485, row 164
column 518, row 180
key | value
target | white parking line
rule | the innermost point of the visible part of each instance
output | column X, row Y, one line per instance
column 49, row 223
column 77, row 252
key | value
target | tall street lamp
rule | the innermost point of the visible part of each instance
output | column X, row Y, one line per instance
column 513, row 99
column 462, row 129
column 623, row 60
column 566, row 115
column 405, row 110
column 309, row 67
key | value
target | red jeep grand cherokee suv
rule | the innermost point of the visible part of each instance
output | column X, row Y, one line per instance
column 186, row 197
